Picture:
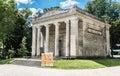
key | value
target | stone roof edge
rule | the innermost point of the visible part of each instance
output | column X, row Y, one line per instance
column 77, row 9
column 90, row 15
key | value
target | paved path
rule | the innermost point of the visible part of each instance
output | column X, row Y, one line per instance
column 17, row 70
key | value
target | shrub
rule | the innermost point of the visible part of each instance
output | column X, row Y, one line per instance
column 23, row 50
column 11, row 53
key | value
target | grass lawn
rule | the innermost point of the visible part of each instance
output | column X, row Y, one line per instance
column 6, row 61
column 86, row 64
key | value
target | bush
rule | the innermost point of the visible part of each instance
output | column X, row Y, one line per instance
column 23, row 50
column 0, row 54
column 11, row 53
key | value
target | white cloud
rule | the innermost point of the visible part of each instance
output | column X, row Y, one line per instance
column 34, row 11
column 24, row 1
column 68, row 3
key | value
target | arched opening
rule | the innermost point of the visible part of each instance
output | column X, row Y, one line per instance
column 42, row 40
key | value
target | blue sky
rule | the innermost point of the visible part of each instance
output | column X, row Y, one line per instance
column 48, row 3
column 36, row 5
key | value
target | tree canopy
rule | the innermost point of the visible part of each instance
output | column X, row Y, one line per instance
column 7, row 17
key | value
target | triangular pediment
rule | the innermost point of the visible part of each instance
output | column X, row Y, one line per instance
column 53, row 13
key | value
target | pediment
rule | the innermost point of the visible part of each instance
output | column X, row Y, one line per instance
column 53, row 12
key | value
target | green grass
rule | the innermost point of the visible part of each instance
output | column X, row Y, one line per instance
column 6, row 61
column 108, row 62
column 86, row 64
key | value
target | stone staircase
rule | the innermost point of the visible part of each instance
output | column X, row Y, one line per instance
column 27, row 62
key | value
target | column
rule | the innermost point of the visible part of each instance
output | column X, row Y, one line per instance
column 74, row 38
column 38, row 40
column 42, row 41
column 108, row 40
column 57, row 39
column 33, row 40
column 67, row 38
column 47, row 39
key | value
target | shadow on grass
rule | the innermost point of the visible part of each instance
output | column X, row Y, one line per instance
column 108, row 62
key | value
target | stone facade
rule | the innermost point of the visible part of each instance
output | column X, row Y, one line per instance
column 70, row 33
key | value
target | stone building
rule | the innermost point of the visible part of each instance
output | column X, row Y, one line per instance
column 70, row 33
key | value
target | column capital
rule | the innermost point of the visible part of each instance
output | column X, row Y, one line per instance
column 33, row 26
column 75, row 18
column 66, row 21
column 47, row 25
column 57, row 23
column 39, row 27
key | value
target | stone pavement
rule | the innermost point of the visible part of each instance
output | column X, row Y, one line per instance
column 17, row 70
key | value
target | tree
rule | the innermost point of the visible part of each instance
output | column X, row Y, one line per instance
column 51, row 8
column 7, row 21
column 39, row 13
column 11, row 53
column 7, row 18
column 21, row 28
column 107, row 10
column 26, row 12
column 23, row 50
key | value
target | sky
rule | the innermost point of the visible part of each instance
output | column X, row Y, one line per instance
column 39, row 5
column 36, row 5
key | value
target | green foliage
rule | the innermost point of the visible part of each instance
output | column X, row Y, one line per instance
column 26, row 12
column 77, row 64
column 23, row 50
column 86, row 64
column 0, row 54
column 115, row 33
column 7, row 17
column 11, row 53
column 51, row 8
column 14, row 25
column 108, row 62
column 39, row 14
column 22, row 25
column 5, row 61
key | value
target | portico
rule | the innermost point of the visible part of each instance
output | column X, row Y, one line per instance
column 69, row 33
column 51, row 38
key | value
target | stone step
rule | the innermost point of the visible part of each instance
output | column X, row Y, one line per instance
column 27, row 62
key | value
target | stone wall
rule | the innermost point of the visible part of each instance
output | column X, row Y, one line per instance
column 52, row 39
column 94, row 41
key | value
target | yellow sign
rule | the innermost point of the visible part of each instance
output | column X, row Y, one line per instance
column 47, row 59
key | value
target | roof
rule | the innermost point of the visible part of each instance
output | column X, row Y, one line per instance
column 60, row 11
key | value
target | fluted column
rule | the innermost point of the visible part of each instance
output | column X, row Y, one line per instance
column 47, row 39
column 57, row 39
column 38, row 40
column 33, row 41
column 67, row 38
column 74, row 37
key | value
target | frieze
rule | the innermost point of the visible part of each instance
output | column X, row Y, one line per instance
column 94, row 29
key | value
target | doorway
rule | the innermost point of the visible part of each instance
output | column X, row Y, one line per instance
column 60, row 47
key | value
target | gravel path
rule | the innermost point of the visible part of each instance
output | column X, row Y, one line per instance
column 17, row 70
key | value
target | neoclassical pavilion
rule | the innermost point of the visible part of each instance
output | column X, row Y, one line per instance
column 70, row 33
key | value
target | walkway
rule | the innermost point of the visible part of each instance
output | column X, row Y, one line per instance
column 17, row 70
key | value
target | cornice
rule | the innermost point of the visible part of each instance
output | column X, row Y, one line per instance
column 65, row 12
